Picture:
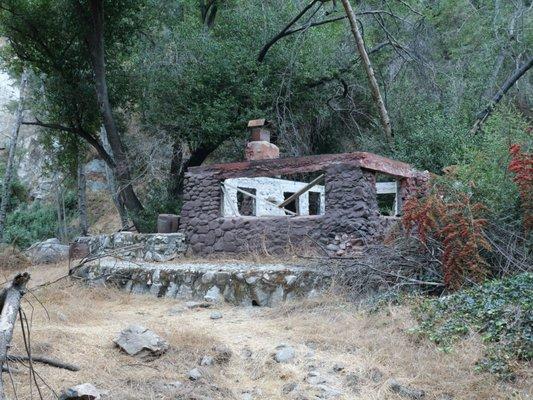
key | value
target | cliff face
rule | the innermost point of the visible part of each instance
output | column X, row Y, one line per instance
column 31, row 157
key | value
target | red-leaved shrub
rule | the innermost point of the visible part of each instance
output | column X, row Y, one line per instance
column 522, row 166
column 457, row 226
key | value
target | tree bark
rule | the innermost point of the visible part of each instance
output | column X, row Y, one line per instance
column 374, row 87
column 178, row 167
column 82, row 196
column 112, row 184
column 176, row 175
column 8, row 175
column 509, row 83
column 95, row 44
column 10, row 305
column 61, row 223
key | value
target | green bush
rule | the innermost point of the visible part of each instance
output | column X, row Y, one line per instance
column 501, row 311
column 30, row 223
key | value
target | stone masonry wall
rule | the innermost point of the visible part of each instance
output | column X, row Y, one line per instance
column 351, row 211
column 131, row 246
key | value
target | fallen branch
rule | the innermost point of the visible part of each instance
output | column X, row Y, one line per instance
column 44, row 360
column 10, row 298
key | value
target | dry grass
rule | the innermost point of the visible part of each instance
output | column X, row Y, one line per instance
column 12, row 258
column 325, row 331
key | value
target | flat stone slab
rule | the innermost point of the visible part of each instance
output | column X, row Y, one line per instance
column 240, row 283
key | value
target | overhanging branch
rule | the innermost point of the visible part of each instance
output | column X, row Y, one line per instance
column 81, row 133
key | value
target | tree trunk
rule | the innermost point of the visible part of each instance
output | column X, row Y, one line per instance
column 178, row 167
column 374, row 87
column 61, row 231
column 176, row 175
column 112, row 184
column 8, row 175
column 82, row 197
column 508, row 84
column 10, row 305
column 95, row 43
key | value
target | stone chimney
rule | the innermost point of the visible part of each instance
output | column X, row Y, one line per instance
column 259, row 146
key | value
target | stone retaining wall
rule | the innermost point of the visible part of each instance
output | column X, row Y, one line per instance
column 132, row 246
column 237, row 283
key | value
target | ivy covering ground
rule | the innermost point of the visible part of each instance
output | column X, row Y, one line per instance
column 501, row 311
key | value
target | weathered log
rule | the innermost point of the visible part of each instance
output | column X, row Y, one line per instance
column 44, row 360
column 10, row 304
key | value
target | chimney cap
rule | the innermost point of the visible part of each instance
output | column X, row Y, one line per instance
column 257, row 123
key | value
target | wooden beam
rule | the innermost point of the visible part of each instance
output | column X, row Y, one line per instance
column 301, row 191
column 257, row 197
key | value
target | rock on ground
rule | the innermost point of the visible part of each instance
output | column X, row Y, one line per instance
column 405, row 391
column 85, row 391
column 47, row 252
column 138, row 340
column 284, row 354
column 216, row 315
column 195, row 374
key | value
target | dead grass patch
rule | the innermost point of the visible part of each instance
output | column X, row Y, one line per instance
column 324, row 331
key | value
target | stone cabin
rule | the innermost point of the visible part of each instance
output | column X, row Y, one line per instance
column 263, row 204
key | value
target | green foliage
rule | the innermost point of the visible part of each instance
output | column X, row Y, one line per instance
column 484, row 170
column 501, row 311
column 157, row 202
column 30, row 223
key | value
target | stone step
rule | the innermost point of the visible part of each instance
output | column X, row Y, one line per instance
column 239, row 283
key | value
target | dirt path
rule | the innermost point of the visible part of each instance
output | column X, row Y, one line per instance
column 340, row 352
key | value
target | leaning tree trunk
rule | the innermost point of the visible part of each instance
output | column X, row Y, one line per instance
column 374, row 87
column 82, row 196
column 10, row 304
column 95, row 43
column 508, row 84
column 8, row 175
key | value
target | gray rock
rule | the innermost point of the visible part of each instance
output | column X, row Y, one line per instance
column 164, row 386
column 197, row 304
column 314, row 378
column 406, row 391
column 195, row 374
column 284, row 354
column 85, row 391
column 338, row 367
column 176, row 310
column 222, row 353
column 216, row 315
column 329, row 392
column 47, row 252
column 138, row 340
column 207, row 361
column 375, row 374
column 290, row 280
column 353, row 381
column 213, row 295
column 289, row 387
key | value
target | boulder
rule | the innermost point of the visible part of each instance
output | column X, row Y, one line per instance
column 137, row 340
column 47, row 252
column 85, row 391
column 284, row 354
